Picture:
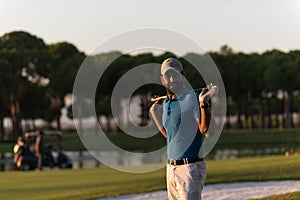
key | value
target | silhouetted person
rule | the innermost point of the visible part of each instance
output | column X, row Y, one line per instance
column 39, row 149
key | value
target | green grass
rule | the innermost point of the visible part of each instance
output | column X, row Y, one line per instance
column 254, row 169
column 101, row 182
column 6, row 147
column 72, row 142
column 288, row 196
column 76, row 184
column 259, row 139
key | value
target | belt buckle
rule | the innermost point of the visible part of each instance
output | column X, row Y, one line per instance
column 173, row 162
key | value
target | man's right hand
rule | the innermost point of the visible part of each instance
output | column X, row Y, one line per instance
column 156, row 111
column 207, row 93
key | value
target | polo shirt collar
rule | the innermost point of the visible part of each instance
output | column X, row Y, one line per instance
column 180, row 96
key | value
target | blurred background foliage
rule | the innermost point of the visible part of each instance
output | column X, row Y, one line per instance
column 262, row 88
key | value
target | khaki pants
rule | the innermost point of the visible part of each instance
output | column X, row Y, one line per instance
column 186, row 182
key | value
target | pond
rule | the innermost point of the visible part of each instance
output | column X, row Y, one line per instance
column 83, row 159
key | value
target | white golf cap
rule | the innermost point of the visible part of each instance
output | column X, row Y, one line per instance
column 171, row 63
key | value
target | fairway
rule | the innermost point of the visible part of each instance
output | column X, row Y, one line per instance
column 76, row 184
column 101, row 182
column 288, row 196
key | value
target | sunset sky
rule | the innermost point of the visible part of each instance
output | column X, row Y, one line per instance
column 247, row 25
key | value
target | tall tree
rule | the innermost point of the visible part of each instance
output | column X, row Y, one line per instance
column 34, row 103
column 257, row 87
column 280, row 76
column 65, row 62
column 21, row 55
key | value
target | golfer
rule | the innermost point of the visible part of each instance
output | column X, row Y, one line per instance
column 183, row 119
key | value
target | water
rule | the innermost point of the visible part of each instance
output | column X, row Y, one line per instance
column 83, row 159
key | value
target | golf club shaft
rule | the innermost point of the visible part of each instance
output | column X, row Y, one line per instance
column 198, row 90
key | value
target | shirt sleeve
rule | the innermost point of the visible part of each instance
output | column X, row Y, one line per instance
column 196, row 107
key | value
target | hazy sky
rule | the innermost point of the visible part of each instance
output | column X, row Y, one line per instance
column 245, row 25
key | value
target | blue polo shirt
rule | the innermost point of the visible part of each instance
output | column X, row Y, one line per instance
column 184, row 139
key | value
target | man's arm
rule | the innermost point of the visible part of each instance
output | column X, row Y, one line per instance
column 204, row 119
column 156, row 113
column 205, row 109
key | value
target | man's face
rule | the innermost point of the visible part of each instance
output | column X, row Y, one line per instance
column 172, row 80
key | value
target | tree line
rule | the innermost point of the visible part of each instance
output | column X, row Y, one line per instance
column 262, row 89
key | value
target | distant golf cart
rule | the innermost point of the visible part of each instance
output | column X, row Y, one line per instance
column 24, row 155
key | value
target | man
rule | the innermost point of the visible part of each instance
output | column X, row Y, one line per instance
column 184, row 122
column 39, row 149
column 19, row 147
